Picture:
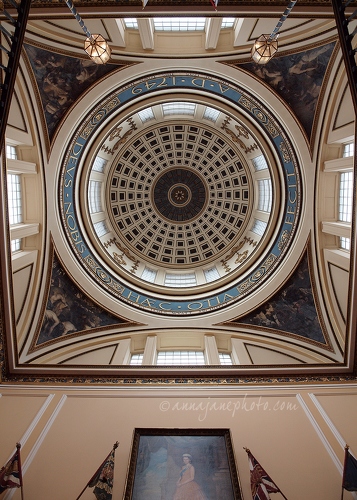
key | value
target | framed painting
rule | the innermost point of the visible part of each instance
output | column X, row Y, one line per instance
column 182, row 464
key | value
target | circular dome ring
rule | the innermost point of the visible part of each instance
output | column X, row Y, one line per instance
column 237, row 288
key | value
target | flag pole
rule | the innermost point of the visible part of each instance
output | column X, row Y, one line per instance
column 281, row 493
column 115, row 446
column 18, row 446
column 277, row 487
column 344, row 469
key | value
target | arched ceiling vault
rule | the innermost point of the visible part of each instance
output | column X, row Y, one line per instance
column 181, row 196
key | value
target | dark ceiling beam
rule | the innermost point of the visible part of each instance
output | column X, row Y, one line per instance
column 345, row 34
column 345, row 37
column 7, row 87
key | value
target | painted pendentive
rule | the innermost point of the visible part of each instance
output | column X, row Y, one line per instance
column 70, row 311
column 291, row 310
column 297, row 78
column 61, row 80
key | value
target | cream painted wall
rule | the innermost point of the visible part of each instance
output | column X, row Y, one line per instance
column 296, row 433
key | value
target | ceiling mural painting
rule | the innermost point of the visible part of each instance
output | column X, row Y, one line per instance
column 62, row 79
column 292, row 310
column 69, row 311
column 297, row 78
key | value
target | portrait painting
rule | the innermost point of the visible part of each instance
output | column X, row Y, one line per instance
column 182, row 464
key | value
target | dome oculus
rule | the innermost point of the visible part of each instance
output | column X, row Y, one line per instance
column 179, row 195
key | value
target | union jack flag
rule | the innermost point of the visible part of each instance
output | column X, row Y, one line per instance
column 10, row 474
column 102, row 481
column 261, row 483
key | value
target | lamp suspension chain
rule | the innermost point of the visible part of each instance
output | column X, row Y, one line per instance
column 266, row 46
column 72, row 8
column 282, row 19
column 94, row 45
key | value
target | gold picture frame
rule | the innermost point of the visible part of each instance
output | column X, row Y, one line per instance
column 169, row 464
